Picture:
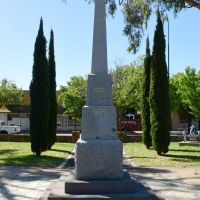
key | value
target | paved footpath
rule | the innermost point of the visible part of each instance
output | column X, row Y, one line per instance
column 170, row 183
column 24, row 183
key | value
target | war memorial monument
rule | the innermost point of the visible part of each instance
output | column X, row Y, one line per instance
column 99, row 170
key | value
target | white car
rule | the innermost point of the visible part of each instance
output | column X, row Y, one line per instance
column 4, row 129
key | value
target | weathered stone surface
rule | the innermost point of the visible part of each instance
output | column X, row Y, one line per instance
column 98, row 159
column 99, row 90
column 99, row 51
column 122, row 189
column 99, row 122
column 98, row 151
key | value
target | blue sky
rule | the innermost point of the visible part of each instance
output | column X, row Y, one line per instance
column 73, row 28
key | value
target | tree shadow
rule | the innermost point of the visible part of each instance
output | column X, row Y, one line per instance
column 186, row 150
column 33, row 161
column 146, row 170
column 17, row 177
column 64, row 151
column 7, row 151
column 69, row 163
column 183, row 158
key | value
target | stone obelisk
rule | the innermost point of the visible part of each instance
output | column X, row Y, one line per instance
column 99, row 151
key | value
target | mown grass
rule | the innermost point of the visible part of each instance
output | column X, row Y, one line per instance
column 176, row 157
column 20, row 154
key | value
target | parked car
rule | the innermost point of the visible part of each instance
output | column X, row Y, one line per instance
column 5, row 129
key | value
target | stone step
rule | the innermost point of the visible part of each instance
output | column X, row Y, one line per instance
column 127, row 185
column 127, row 196
column 124, row 189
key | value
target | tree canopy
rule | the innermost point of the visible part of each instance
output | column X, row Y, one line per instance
column 52, row 123
column 73, row 96
column 9, row 93
column 159, row 93
column 39, row 93
column 127, row 89
column 146, row 124
column 137, row 13
column 127, row 86
column 185, row 92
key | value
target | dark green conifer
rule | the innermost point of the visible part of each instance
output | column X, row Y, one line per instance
column 39, row 95
column 52, row 94
column 146, row 126
column 159, row 93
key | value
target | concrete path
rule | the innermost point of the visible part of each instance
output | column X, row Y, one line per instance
column 23, row 183
column 169, row 183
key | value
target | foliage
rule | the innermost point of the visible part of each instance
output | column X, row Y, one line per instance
column 137, row 13
column 73, row 96
column 19, row 154
column 52, row 124
column 175, row 92
column 39, row 93
column 178, row 156
column 159, row 93
column 186, row 87
column 146, row 125
column 127, row 87
column 9, row 93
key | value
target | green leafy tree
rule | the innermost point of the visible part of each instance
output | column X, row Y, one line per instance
column 73, row 96
column 137, row 14
column 52, row 124
column 159, row 93
column 127, row 87
column 39, row 93
column 174, row 88
column 189, row 91
column 9, row 93
column 146, row 125
column 177, row 96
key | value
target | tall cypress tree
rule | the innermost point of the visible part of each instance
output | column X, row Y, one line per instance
column 39, row 95
column 159, row 93
column 146, row 126
column 52, row 94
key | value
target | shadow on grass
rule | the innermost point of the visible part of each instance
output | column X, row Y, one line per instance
column 8, row 151
column 69, row 163
column 145, row 170
column 186, row 150
column 64, row 151
column 183, row 158
column 146, row 157
column 33, row 161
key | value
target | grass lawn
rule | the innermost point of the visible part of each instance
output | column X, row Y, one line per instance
column 20, row 154
column 176, row 157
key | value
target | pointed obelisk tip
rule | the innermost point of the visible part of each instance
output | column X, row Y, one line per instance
column 99, row 51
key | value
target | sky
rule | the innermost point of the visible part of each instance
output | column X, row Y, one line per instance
column 72, row 24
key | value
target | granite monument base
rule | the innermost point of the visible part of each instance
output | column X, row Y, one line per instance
column 98, row 159
column 121, row 189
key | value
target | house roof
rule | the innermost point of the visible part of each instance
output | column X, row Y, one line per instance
column 4, row 109
column 27, row 99
column 25, row 109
